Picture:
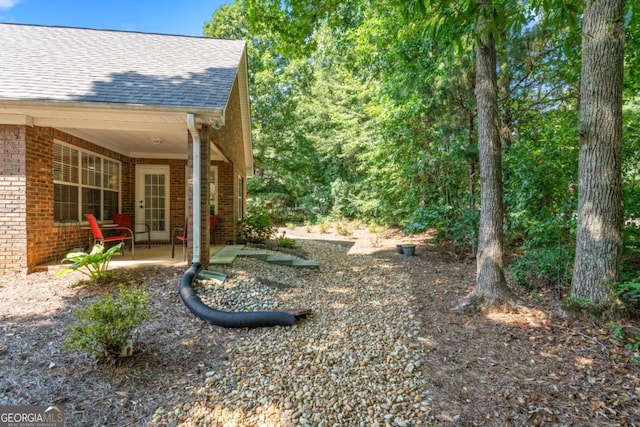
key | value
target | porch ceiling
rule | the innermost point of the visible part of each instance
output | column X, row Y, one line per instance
column 133, row 133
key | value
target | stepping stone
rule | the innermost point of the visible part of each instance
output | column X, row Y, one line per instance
column 280, row 259
column 222, row 259
column 258, row 254
column 212, row 275
column 226, row 255
column 305, row 263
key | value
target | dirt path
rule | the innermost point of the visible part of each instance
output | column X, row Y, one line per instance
column 529, row 367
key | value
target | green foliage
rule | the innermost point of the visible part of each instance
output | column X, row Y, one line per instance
column 256, row 228
column 458, row 226
column 324, row 226
column 574, row 304
column 94, row 264
column 344, row 227
column 364, row 111
column 547, row 267
column 547, row 253
column 629, row 341
column 105, row 328
column 628, row 295
column 286, row 242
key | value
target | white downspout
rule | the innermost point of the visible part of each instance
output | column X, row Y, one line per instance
column 191, row 124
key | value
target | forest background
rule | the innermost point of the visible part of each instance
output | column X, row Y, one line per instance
column 365, row 113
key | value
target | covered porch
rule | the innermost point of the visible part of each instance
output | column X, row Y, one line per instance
column 164, row 139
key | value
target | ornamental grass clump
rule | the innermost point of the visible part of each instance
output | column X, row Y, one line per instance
column 106, row 328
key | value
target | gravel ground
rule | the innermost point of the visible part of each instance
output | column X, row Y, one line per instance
column 355, row 361
column 382, row 346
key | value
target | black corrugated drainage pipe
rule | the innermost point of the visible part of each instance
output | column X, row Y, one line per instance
column 226, row 319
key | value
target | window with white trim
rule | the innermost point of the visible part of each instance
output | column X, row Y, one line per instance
column 84, row 182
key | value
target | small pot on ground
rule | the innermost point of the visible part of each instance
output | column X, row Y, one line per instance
column 127, row 348
column 408, row 250
column 399, row 249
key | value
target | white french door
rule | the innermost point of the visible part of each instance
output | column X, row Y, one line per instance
column 152, row 199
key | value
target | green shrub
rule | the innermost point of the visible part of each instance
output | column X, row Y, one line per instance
column 628, row 340
column 324, row 227
column 256, row 228
column 286, row 242
column 105, row 328
column 457, row 226
column 628, row 295
column 548, row 267
column 93, row 264
column 344, row 228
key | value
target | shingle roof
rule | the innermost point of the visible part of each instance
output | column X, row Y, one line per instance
column 85, row 65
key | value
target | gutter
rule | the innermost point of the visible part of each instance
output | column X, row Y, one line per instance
column 60, row 104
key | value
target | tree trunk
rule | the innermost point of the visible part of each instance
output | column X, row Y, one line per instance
column 490, row 286
column 599, row 241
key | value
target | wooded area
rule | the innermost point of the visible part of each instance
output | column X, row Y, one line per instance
column 468, row 118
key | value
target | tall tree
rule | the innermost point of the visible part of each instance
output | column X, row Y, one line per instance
column 286, row 164
column 491, row 285
column 600, row 213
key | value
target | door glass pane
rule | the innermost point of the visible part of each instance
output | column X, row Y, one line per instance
column 154, row 203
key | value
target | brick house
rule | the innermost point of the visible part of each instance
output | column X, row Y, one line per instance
column 102, row 122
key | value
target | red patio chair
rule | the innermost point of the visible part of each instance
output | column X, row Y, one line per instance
column 181, row 234
column 124, row 220
column 98, row 236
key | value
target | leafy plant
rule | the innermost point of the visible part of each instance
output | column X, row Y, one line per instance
column 94, row 264
column 324, row 227
column 628, row 294
column 621, row 336
column 344, row 228
column 104, row 328
column 544, row 266
column 256, row 228
column 455, row 225
column 286, row 242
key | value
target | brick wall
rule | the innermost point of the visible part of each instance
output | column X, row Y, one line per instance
column 230, row 140
column 43, row 238
column 227, row 201
column 13, row 207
